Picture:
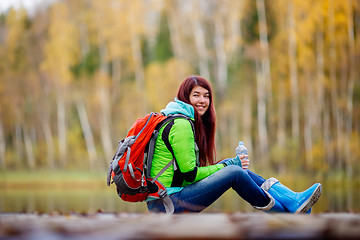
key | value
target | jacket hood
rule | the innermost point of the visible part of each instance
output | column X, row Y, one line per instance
column 179, row 107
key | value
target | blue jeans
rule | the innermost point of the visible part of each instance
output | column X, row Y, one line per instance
column 198, row 196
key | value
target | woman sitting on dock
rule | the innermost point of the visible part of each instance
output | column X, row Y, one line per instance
column 194, row 183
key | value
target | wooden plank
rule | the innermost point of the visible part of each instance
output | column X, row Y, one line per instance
column 182, row 226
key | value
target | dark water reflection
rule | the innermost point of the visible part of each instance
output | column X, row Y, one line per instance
column 339, row 197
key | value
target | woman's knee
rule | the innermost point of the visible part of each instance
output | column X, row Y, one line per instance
column 235, row 170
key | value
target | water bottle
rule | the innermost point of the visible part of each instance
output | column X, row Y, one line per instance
column 241, row 149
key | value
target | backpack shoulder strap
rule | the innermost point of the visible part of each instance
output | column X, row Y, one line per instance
column 165, row 137
column 166, row 132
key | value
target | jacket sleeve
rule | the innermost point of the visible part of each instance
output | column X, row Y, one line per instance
column 181, row 138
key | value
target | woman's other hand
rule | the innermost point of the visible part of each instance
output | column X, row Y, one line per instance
column 241, row 160
column 233, row 161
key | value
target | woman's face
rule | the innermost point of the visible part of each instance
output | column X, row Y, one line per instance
column 200, row 99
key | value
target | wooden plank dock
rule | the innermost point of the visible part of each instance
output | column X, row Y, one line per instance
column 108, row 226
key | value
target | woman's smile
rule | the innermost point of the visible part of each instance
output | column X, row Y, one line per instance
column 199, row 98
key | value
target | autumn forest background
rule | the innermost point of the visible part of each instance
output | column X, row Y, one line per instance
column 76, row 74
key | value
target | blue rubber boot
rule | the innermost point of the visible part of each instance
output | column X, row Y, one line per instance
column 274, row 206
column 294, row 202
column 277, row 208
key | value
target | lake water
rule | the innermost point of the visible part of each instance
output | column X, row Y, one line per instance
column 339, row 198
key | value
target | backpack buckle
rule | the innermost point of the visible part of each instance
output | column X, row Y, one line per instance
column 162, row 193
column 143, row 181
column 117, row 170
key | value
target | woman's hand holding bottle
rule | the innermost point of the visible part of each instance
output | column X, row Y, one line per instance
column 241, row 152
column 244, row 161
column 240, row 160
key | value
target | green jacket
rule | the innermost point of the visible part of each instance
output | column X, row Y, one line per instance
column 181, row 139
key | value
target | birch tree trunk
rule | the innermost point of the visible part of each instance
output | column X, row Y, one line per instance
column 263, row 81
column 18, row 142
column 233, row 131
column 247, row 121
column 308, row 123
column 136, row 52
column 281, row 124
column 139, row 68
column 320, row 83
column 84, row 42
column 295, row 123
column 103, row 52
column 61, row 127
column 220, row 72
column 105, row 116
column 220, row 52
column 261, row 109
column 89, row 139
column 29, row 150
column 321, row 111
column 138, row 63
column 105, row 123
column 2, row 146
column 333, row 87
column 330, row 154
column 175, row 35
column 235, row 25
column 116, row 77
column 200, row 43
column 50, row 155
column 350, row 91
column 265, row 55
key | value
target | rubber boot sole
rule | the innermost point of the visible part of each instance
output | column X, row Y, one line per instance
column 306, row 206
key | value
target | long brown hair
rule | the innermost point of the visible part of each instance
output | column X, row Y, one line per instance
column 204, row 125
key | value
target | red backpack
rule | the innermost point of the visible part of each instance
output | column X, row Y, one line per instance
column 131, row 165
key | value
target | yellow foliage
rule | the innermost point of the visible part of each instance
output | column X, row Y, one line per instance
column 15, row 22
column 163, row 80
column 354, row 149
column 62, row 49
column 36, row 56
column 319, row 157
